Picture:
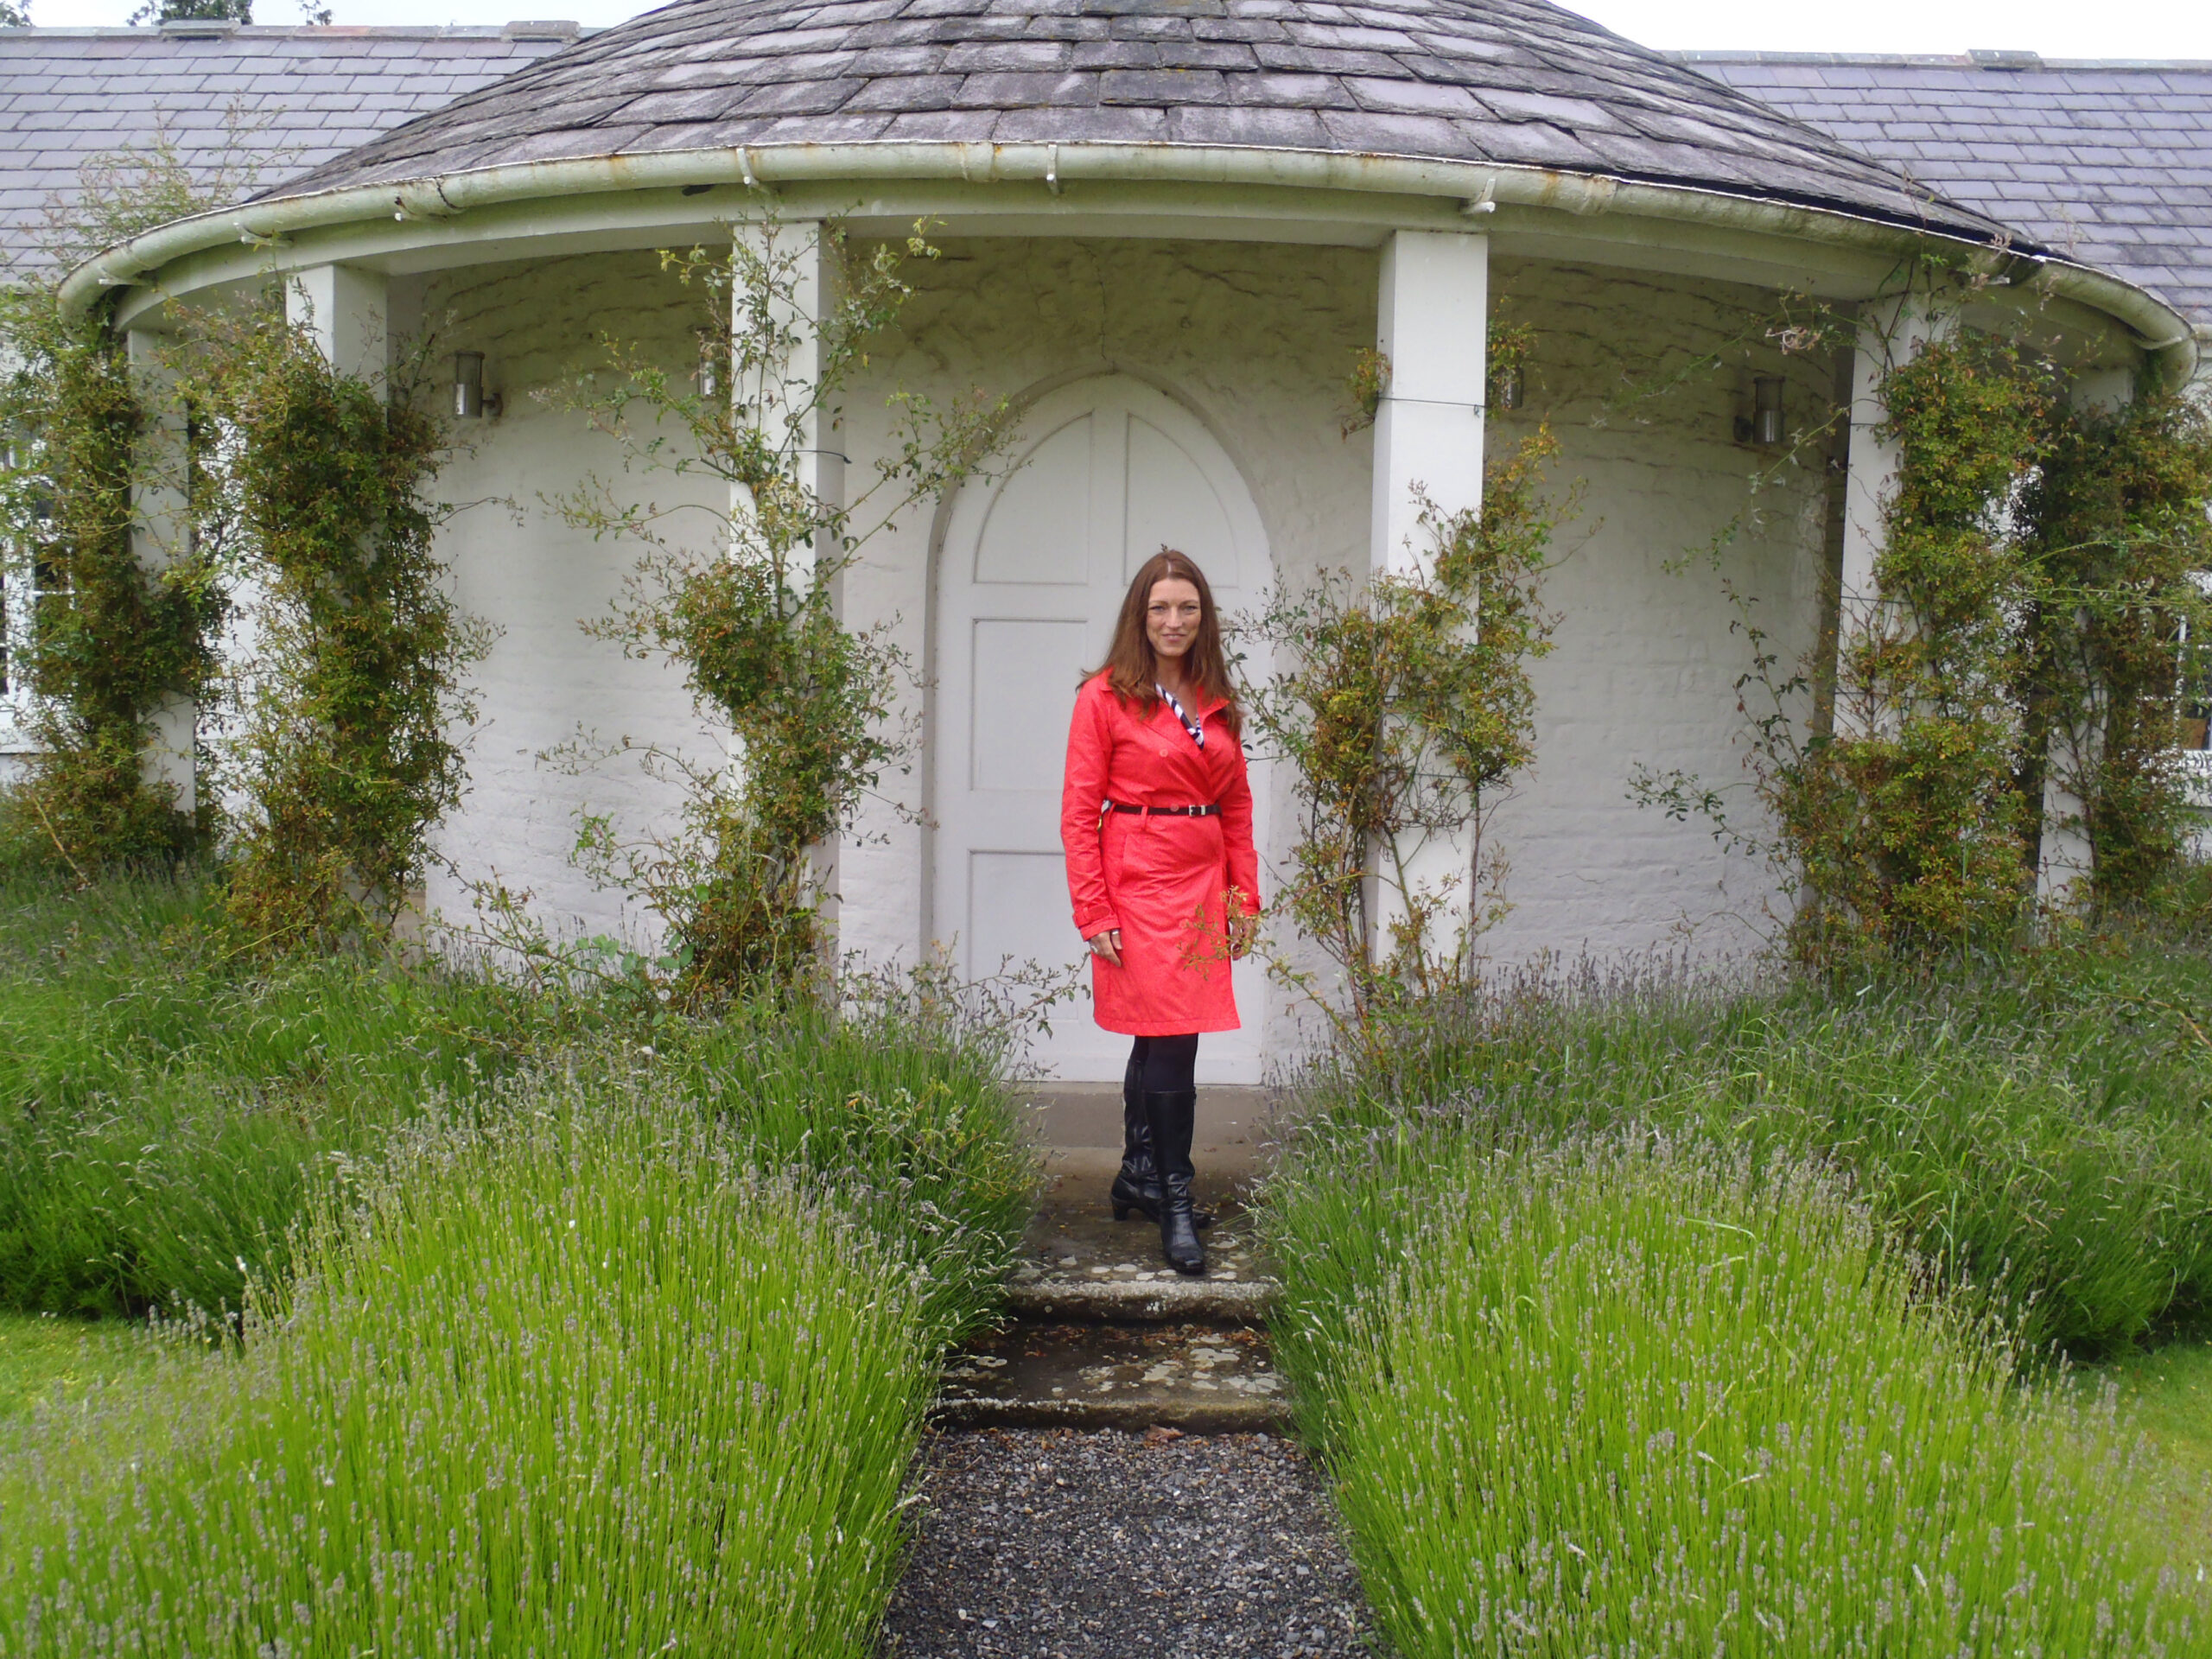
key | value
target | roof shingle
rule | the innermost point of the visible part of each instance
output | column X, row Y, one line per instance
column 1521, row 82
column 2110, row 164
column 272, row 100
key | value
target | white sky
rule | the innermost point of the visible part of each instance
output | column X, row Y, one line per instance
column 2114, row 29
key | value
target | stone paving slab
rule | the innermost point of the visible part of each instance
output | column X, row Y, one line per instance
column 1166, row 1300
column 1198, row 1379
column 1079, row 1263
column 1229, row 1131
column 1059, row 1545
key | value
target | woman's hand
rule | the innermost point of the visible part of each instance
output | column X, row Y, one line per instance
column 1106, row 944
column 1243, row 934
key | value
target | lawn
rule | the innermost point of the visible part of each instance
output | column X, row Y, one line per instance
column 2165, row 1392
column 43, row 1356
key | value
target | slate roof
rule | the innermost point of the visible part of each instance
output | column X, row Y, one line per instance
column 301, row 96
column 2109, row 162
column 1516, row 81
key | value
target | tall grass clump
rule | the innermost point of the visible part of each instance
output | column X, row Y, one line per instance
column 1622, row 1395
column 580, row 1380
column 2035, row 1127
column 169, row 1106
column 908, row 1113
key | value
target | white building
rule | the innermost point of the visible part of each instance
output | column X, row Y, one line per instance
column 1169, row 229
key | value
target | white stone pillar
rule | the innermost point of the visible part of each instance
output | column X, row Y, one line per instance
column 792, row 411
column 1433, row 325
column 161, row 533
column 346, row 310
column 786, row 394
column 1892, row 332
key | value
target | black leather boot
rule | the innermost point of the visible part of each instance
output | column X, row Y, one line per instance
column 1136, row 1184
column 1170, row 1116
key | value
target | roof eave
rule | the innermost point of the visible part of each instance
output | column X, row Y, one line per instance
column 2164, row 333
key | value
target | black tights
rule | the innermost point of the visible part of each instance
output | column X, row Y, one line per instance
column 1165, row 1065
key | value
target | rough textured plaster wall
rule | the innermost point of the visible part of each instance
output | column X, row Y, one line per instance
column 1644, row 664
column 517, row 564
column 1256, row 339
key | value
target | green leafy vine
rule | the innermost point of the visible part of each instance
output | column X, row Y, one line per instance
column 751, row 618
column 348, row 751
column 113, row 636
column 2026, row 644
column 1402, row 704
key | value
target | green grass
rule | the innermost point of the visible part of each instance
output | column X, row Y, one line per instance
column 581, row 1380
column 549, row 1330
column 913, row 1123
column 1623, row 1396
column 44, row 1358
column 2164, row 1394
column 167, row 1105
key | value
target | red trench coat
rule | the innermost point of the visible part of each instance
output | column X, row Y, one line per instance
column 1163, row 881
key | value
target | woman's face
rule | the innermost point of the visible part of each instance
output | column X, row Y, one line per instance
column 1171, row 620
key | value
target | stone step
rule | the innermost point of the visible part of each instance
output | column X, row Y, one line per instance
column 1081, row 1119
column 1078, row 1263
column 1198, row 1378
column 1166, row 1298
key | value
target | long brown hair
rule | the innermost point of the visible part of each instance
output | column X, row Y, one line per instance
column 1132, row 669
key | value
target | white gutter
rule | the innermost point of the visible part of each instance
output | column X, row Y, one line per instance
column 2164, row 333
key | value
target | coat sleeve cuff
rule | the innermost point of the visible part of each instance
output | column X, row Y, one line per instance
column 1092, row 926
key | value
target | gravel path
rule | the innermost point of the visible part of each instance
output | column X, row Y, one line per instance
column 1060, row 1544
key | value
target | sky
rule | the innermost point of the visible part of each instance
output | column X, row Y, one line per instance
column 2114, row 29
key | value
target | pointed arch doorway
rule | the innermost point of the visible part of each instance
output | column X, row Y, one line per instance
column 1030, row 576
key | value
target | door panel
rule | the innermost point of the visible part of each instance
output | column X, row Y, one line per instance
column 1172, row 504
column 1007, row 892
column 1031, row 576
column 1038, row 510
column 1019, row 734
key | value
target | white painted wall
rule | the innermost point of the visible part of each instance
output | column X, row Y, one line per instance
column 1255, row 341
column 1644, row 666
column 517, row 565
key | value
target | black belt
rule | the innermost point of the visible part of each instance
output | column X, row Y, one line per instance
column 1161, row 811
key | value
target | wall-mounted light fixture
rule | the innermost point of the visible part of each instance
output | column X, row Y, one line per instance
column 1767, row 429
column 1505, row 388
column 469, row 401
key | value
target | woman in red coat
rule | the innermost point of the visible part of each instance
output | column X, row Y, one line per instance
column 1156, row 818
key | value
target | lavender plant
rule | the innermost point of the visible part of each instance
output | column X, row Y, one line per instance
column 1623, row 1395
column 168, row 1107
column 2032, row 1127
column 575, row 1381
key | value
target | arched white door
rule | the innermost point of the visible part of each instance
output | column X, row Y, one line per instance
column 1030, row 578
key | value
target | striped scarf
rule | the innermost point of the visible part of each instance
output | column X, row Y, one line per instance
column 1197, row 732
